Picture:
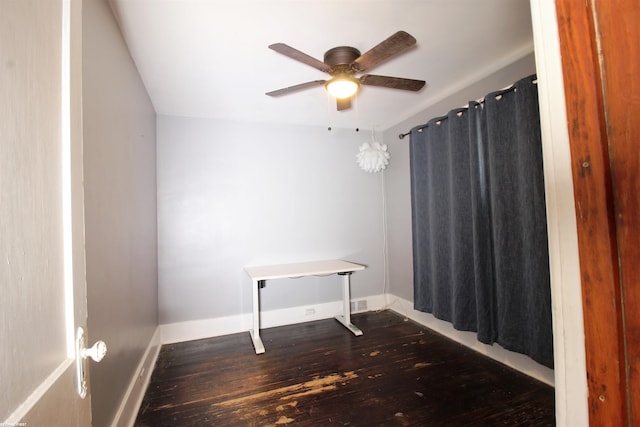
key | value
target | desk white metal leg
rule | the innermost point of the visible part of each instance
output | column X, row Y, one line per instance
column 255, row 332
column 345, row 319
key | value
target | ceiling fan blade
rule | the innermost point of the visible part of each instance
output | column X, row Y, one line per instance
column 393, row 45
column 300, row 56
column 294, row 88
column 343, row 103
column 392, row 82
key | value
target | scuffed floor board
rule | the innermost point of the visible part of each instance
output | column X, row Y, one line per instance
column 316, row 373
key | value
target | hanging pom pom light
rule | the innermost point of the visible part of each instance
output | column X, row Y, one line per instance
column 373, row 157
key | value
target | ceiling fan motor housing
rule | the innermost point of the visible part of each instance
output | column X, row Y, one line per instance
column 341, row 55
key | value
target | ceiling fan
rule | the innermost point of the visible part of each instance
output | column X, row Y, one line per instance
column 344, row 62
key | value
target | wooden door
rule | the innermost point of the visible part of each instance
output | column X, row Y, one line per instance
column 42, row 277
column 599, row 42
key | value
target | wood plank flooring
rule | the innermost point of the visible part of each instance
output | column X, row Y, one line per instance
column 319, row 374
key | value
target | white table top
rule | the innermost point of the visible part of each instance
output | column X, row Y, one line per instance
column 300, row 269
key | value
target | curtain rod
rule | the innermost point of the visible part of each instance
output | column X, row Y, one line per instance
column 402, row 135
column 466, row 107
column 479, row 101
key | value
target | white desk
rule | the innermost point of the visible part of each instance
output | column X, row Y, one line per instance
column 260, row 274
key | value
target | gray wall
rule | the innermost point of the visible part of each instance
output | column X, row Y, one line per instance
column 233, row 194
column 120, row 208
column 397, row 178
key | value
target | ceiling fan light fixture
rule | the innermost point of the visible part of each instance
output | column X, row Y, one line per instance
column 342, row 86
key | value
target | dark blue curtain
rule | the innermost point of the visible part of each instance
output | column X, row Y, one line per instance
column 480, row 251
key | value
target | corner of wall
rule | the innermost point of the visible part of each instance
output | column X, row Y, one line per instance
column 128, row 409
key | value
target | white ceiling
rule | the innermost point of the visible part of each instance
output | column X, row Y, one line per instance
column 209, row 58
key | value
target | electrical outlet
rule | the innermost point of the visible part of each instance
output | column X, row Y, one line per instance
column 310, row 312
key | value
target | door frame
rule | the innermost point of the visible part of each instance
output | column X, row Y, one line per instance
column 564, row 264
column 600, row 63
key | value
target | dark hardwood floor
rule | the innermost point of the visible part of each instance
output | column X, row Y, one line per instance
column 319, row 374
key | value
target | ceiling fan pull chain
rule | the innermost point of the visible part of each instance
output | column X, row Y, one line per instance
column 355, row 101
column 328, row 112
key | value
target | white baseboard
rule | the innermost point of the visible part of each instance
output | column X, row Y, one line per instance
column 128, row 410
column 516, row 361
column 207, row 328
column 203, row 328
